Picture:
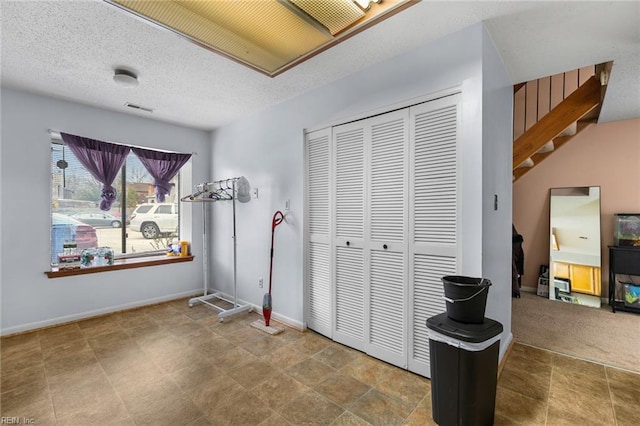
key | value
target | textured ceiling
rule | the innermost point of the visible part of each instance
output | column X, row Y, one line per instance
column 68, row 49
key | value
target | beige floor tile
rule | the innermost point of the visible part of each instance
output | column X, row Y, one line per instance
column 518, row 408
column 212, row 346
column 530, row 354
column 169, row 364
column 624, row 387
column 422, row 415
column 199, row 312
column 49, row 342
column 19, row 343
column 625, row 415
column 279, row 390
column 566, row 363
column 33, row 375
column 234, row 357
column 342, row 389
column 404, row 386
column 380, row 409
column 85, row 396
column 66, row 363
column 284, row 358
column 242, row 409
column 170, row 353
column 275, row 420
column 575, row 409
column 190, row 331
column 159, row 402
column 368, row 370
column 252, row 374
column 311, row 409
column 336, row 356
column 18, row 401
column 116, row 339
column 311, row 343
column 310, row 372
column 532, row 382
column 129, row 365
column 101, row 325
column 245, row 334
column 563, row 381
column 135, row 319
column 262, row 344
column 38, row 412
column 21, row 357
column 212, row 395
column 349, row 419
column 172, row 319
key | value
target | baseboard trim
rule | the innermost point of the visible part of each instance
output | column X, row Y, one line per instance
column 289, row 322
column 53, row 322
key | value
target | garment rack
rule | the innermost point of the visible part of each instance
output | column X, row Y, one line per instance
column 213, row 192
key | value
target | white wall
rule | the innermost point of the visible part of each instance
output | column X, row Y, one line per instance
column 497, row 154
column 268, row 149
column 28, row 298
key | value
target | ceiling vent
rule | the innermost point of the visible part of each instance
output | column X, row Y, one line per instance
column 138, row 107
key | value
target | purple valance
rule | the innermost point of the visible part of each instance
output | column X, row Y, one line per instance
column 163, row 166
column 103, row 160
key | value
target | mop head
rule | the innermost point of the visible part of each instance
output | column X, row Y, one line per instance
column 270, row 329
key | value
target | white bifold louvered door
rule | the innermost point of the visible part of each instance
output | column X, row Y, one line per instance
column 370, row 228
column 434, row 225
column 349, row 151
column 383, row 228
column 386, row 242
column 319, row 285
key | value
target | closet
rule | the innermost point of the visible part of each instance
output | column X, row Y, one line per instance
column 381, row 228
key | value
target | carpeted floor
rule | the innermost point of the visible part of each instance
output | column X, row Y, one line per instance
column 588, row 333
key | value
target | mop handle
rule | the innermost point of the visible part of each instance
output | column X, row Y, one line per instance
column 278, row 217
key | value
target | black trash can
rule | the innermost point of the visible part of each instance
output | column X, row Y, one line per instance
column 464, row 369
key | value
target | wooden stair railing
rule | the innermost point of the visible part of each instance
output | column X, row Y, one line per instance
column 573, row 108
column 532, row 126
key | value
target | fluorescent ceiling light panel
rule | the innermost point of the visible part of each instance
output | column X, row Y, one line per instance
column 335, row 15
column 266, row 35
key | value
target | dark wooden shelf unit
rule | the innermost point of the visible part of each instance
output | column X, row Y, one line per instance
column 622, row 261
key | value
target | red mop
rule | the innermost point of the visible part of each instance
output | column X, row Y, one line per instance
column 278, row 217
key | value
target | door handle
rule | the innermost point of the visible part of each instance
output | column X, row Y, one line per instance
column 384, row 246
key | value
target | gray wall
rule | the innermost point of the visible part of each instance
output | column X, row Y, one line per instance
column 268, row 149
column 28, row 298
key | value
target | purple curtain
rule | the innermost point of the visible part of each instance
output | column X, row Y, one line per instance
column 163, row 166
column 102, row 159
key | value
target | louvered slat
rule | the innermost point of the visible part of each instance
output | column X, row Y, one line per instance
column 428, row 298
column 319, row 286
column 387, row 299
column 435, row 176
column 388, row 140
column 318, row 184
column 350, row 292
column 349, row 190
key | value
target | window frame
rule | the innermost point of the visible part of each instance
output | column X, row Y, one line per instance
column 124, row 259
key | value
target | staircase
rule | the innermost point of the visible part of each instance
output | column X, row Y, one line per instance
column 551, row 111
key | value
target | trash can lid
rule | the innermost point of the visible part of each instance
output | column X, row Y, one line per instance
column 474, row 333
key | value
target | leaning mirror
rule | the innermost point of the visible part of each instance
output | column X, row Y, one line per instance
column 574, row 241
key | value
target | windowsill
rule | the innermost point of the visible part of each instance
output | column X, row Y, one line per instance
column 139, row 262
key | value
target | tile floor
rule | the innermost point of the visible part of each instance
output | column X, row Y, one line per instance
column 169, row 364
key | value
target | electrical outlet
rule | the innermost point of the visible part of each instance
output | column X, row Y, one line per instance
column 260, row 282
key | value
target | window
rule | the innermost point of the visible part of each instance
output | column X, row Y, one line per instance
column 127, row 227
